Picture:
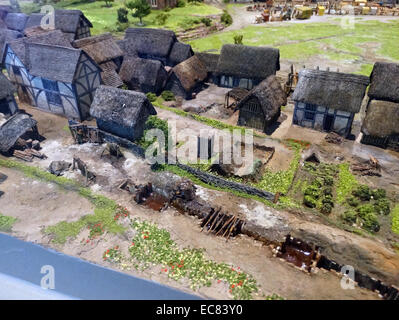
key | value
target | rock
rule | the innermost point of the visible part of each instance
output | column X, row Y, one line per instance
column 58, row 167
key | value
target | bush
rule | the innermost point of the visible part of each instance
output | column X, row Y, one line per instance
column 238, row 38
column 226, row 18
column 312, row 191
column 370, row 220
column 349, row 216
column 382, row 206
column 121, row 27
column 151, row 96
column 206, row 21
column 353, row 201
column 168, row 95
column 328, row 191
column 379, row 194
column 326, row 208
column 180, row 3
column 328, row 180
column 309, row 201
column 363, row 192
column 167, row 9
column 161, row 18
column 122, row 15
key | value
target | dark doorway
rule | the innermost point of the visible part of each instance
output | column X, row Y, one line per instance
column 328, row 122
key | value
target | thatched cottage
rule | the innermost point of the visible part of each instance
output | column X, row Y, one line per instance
column 155, row 44
column 106, row 53
column 186, row 77
column 143, row 75
column 162, row 4
column 16, row 127
column 380, row 126
column 245, row 66
column 210, row 61
column 8, row 106
column 121, row 112
column 72, row 22
column 328, row 101
column 51, row 75
column 262, row 105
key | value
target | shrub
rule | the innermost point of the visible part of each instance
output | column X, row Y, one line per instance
column 369, row 219
column 326, row 208
column 121, row 26
column 379, row 194
column 312, row 191
column 180, row 3
column 382, row 206
column 206, row 21
column 151, row 96
column 328, row 180
column 122, row 15
column 161, row 18
column 168, row 95
column 349, row 216
column 309, row 201
column 353, row 201
column 328, row 191
column 363, row 192
column 238, row 38
column 226, row 18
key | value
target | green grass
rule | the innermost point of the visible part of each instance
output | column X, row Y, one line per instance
column 346, row 182
column 6, row 223
column 104, row 208
column 104, row 19
column 395, row 219
column 154, row 246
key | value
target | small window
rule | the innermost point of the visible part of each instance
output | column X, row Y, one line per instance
column 154, row 3
column 52, row 92
column 310, row 111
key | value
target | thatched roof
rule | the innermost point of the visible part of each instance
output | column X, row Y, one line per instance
column 6, row 87
column 145, row 74
column 5, row 37
column 16, row 21
column 210, row 60
column 100, row 48
column 65, row 20
column 382, row 119
column 248, row 62
column 109, row 75
column 341, row 91
column 52, row 62
column 123, row 107
column 54, row 37
column 2, row 24
column 150, row 43
column 180, row 52
column 385, row 82
column 4, row 10
column 270, row 95
column 128, row 47
column 190, row 73
column 34, row 31
column 14, row 128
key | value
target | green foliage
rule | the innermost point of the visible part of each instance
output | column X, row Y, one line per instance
column 382, row 206
column 180, row 3
column 349, row 216
column 226, row 18
column 168, row 95
column 154, row 246
column 395, row 219
column 362, row 192
column 6, row 223
column 108, row 3
column 153, row 122
column 346, row 182
column 121, row 27
column 161, row 18
column 238, row 38
column 379, row 194
column 139, row 8
column 122, row 15
column 309, row 201
column 152, row 97
column 353, row 201
column 369, row 219
column 206, row 21
column 167, row 9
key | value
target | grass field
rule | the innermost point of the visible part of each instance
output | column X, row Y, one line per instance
column 104, row 19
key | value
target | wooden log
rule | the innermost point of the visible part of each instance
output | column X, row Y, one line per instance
column 204, row 222
column 229, row 226
column 226, row 224
column 221, row 220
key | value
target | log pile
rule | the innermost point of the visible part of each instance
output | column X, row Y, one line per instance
column 367, row 168
column 221, row 224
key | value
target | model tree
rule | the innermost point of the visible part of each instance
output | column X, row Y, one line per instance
column 140, row 9
column 108, row 3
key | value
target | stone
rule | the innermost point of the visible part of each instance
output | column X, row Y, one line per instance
column 58, row 167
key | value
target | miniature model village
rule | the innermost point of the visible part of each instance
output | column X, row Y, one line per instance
column 321, row 191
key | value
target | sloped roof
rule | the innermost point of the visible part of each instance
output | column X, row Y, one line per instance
column 190, row 72
column 53, row 37
column 6, row 87
column 14, row 128
column 270, row 95
column 155, row 43
column 5, row 37
column 16, row 21
column 65, row 20
column 119, row 106
column 180, row 52
column 109, row 75
column 142, row 71
column 341, row 91
column 100, row 48
column 248, row 62
column 385, row 82
column 382, row 119
column 210, row 60
column 52, row 62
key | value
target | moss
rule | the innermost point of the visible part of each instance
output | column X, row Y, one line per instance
column 6, row 223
